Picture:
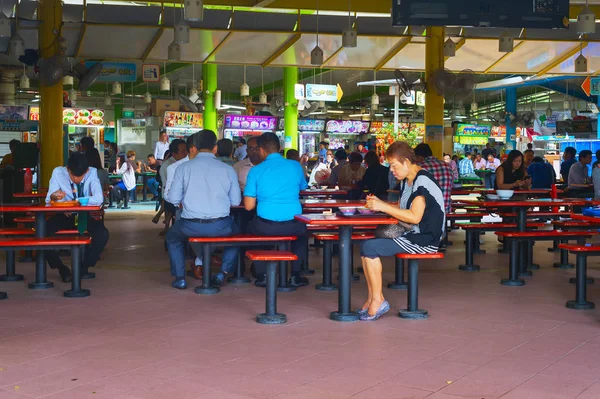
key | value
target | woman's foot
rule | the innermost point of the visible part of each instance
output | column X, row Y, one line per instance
column 365, row 308
column 383, row 309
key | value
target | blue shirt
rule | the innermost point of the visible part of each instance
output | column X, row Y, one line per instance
column 89, row 187
column 323, row 153
column 465, row 167
column 542, row 175
column 276, row 184
column 206, row 187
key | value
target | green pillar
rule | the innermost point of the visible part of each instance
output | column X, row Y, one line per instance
column 209, row 75
column 118, row 115
column 290, row 78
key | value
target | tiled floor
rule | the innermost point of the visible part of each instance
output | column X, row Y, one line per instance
column 136, row 337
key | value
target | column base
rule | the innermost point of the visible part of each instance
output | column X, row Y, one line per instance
column 76, row 294
column 344, row 317
column 469, row 268
column 512, row 283
column 326, row 287
column 418, row 314
column 559, row 265
column 588, row 280
column 206, row 290
column 277, row 318
column 41, row 286
column 580, row 305
column 397, row 286
column 16, row 277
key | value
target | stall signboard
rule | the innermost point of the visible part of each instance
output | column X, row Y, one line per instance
column 34, row 113
column 311, row 125
column 328, row 93
column 116, row 71
column 347, row 127
column 183, row 120
column 463, row 129
column 378, row 127
column 251, row 122
column 471, row 140
column 14, row 112
column 151, row 72
column 85, row 117
column 498, row 132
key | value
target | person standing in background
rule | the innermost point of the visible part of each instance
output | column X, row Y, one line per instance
column 225, row 151
column 161, row 146
column 86, row 144
column 9, row 159
column 242, row 151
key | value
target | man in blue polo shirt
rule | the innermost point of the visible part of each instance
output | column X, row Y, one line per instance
column 273, row 188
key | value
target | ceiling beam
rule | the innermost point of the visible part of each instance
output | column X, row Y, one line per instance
column 562, row 59
column 282, row 50
column 80, row 39
column 392, row 53
column 152, row 43
column 218, row 47
column 573, row 93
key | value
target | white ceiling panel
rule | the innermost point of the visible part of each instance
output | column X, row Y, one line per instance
column 412, row 56
column 250, row 47
column 533, row 56
column 202, row 43
column 299, row 53
column 118, row 42
column 367, row 54
column 476, row 54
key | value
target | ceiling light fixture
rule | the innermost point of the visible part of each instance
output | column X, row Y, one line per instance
column 16, row 46
column 194, row 10
column 165, row 84
column 586, row 21
column 181, row 30
column 116, row 88
column 72, row 95
column 108, row 101
column 316, row 55
column 5, row 29
column 350, row 35
column 174, row 51
column 68, row 80
column 449, row 48
column 244, row 88
column 24, row 81
column 262, row 97
column 506, row 43
column 581, row 63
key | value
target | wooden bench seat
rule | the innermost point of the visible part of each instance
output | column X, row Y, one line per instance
column 272, row 258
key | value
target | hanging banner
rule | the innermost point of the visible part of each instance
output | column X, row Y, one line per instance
column 83, row 117
column 116, row 71
column 347, row 127
column 184, row 120
column 251, row 122
column 327, row 93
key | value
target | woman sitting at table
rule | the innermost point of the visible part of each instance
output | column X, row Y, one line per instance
column 420, row 194
column 512, row 174
column 125, row 168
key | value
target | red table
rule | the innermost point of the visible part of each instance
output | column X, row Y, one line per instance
column 323, row 193
column 40, row 212
column 520, row 208
column 345, row 224
column 321, row 203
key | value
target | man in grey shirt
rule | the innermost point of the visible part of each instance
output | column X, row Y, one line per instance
column 206, row 189
column 579, row 177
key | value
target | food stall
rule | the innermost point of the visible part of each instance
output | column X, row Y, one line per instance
column 180, row 125
column 309, row 131
column 344, row 133
column 384, row 134
column 236, row 126
column 468, row 136
column 83, row 122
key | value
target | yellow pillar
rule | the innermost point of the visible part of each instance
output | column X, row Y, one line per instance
column 51, row 98
column 434, row 103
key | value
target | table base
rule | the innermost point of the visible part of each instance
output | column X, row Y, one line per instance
column 14, row 277
column 345, row 317
column 512, row 283
column 287, row 288
column 41, row 286
column 277, row 318
column 418, row 314
column 533, row 266
column 588, row 280
column 525, row 273
column 206, row 290
column 3, row 295
column 326, row 287
column 76, row 294
column 560, row 265
column 355, row 277
column 580, row 305
column 469, row 268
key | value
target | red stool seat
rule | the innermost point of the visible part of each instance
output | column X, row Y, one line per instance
column 436, row 255
column 273, row 256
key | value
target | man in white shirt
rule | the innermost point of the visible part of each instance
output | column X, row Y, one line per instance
column 243, row 167
column 161, row 146
column 178, row 152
